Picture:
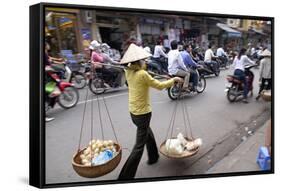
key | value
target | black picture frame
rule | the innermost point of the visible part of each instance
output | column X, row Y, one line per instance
column 37, row 113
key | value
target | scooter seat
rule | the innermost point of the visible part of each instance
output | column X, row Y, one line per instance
column 234, row 78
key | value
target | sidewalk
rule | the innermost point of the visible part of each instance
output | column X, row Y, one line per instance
column 242, row 158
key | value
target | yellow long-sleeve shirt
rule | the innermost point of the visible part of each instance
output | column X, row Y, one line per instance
column 139, row 82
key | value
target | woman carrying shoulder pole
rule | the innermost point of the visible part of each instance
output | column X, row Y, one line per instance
column 139, row 82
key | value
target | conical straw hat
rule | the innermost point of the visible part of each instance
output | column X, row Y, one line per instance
column 134, row 53
column 266, row 53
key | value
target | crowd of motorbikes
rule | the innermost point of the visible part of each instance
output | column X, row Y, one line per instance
column 63, row 82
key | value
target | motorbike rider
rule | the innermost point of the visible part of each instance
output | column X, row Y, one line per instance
column 197, row 55
column 52, row 63
column 189, row 63
column 159, row 55
column 240, row 62
column 150, row 62
column 97, row 59
column 209, row 56
column 176, row 65
column 117, row 72
column 221, row 54
column 139, row 82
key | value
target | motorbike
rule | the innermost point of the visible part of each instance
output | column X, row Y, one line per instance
column 73, row 74
column 223, row 61
column 210, row 69
column 59, row 91
column 235, row 86
column 99, row 83
column 158, row 65
column 80, row 77
column 176, row 90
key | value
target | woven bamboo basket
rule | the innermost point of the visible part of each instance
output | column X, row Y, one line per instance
column 185, row 154
column 266, row 95
column 97, row 170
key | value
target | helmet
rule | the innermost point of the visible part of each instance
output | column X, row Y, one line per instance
column 104, row 45
column 147, row 49
column 94, row 45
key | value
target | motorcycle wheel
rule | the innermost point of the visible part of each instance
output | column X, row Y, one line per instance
column 69, row 98
column 79, row 81
column 201, row 84
column 231, row 96
column 96, row 86
column 173, row 92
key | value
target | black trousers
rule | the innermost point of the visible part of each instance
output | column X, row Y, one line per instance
column 263, row 86
column 144, row 137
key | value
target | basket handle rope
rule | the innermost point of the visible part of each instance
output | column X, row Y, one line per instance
column 186, row 118
column 83, row 120
column 108, row 114
column 101, row 124
column 92, row 123
column 110, row 120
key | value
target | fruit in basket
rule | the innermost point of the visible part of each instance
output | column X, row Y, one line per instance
column 95, row 149
column 110, row 143
column 92, row 142
column 105, row 143
column 98, row 141
column 87, row 151
column 82, row 156
column 93, row 146
column 85, row 161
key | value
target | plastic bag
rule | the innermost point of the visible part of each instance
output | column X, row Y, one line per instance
column 192, row 145
column 174, row 147
column 103, row 157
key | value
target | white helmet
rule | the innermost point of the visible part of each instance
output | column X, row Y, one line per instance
column 94, row 45
column 104, row 45
column 147, row 49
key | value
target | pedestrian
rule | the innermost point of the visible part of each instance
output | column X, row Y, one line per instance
column 176, row 65
column 265, row 72
column 139, row 82
column 239, row 70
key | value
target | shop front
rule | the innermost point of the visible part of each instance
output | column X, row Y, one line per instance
column 62, row 30
column 230, row 38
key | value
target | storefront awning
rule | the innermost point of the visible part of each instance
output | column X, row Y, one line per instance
column 257, row 31
column 230, row 31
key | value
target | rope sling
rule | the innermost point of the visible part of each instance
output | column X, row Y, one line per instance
column 92, row 171
column 187, row 130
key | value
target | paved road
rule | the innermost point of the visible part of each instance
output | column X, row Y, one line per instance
column 212, row 118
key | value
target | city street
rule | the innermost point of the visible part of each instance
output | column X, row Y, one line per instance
column 221, row 125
